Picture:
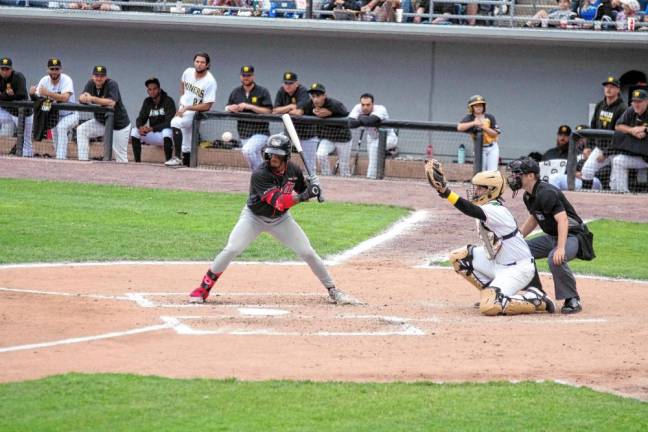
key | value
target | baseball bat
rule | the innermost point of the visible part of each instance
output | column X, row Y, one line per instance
column 292, row 133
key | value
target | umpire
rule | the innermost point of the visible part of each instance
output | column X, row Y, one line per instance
column 563, row 228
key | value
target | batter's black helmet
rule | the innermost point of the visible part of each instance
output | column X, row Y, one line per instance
column 476, row 100
column 518, row 167
column 278, row 144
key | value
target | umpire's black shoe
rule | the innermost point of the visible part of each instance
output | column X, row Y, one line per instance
column 572, row 305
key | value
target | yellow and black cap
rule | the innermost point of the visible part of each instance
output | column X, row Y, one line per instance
column 54, row 62
column 99, row 70
column 639, row 94
column 613, row 81
column 289, row 77
column 247, row 70
column 317, row 88
column 5, row 62
column 564, row 130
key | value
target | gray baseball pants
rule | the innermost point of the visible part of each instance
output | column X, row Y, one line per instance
column 564, row 280
column 284, row 229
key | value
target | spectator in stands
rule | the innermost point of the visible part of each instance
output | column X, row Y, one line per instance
column 57, row 87
column 474, row 9
column 254, row 99
column 478, row 120
column 588, row 10
column 423, row 7
column 370, row 115
column 606, row 115
column 561, row 149
column 630, row 10
column 554, row 16
column 381, row 10
column 289, row 98
column 633, row 145
column 223, row 4
column 153, row 124
column 13, row 87
column 332, row 138
column 559, row 180
column 103, row 91
column 103, row 5
column 342, row 9
column 608, row 10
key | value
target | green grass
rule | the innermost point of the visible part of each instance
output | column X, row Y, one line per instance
column 620, row 251
column 58, row 221
column 111, row 403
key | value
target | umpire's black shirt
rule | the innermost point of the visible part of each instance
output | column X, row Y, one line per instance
column 546, row 201
column 258, row 96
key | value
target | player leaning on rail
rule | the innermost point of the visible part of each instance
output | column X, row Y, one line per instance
column 503, row 269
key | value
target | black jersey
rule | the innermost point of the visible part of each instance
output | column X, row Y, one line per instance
column 331, row 133
column 606, row 116
column 258, row 96
column 15, row 82
column 110, row 90
column 299, row 98
column 265, row 185
column 546, row 201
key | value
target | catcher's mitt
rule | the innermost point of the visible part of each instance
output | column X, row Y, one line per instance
column 434, row 174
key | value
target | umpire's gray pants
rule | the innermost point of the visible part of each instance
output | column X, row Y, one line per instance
column 564, row 280
column 284, row 229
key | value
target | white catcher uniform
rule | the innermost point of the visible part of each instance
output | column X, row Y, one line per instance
column 372, row 137
column 512, row 267
column 67, row 119
column 196, row 91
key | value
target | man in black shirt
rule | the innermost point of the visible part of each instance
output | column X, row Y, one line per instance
column 271, row 196
column 332, row 138
column 289, row 98
column 153, row 124
column 103, row 91
column 254, row 99
column 562, row 145
column 13, row 87
column 549, row 208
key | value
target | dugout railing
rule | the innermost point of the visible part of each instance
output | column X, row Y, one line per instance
column 609, row 142
column 12, row 134
column 216, row 142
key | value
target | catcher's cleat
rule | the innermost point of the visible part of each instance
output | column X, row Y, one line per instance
column 199, row 295
column 340, row 298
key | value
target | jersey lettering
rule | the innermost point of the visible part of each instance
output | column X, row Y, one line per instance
column 195, row 90
column 156, row 112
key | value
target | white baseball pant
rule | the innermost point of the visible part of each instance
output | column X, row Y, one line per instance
column 343, row 150
column 92, row 129
column 508, row 278
column 152, row 138
column 6, row 117
column 620, row 166
column 490, row 157
column 252, row 149
column 592, row 165
column 372, row 151
column 310, row 149
column 60, row 133
column 185, row 124
column 284, row 229
column 560, row 181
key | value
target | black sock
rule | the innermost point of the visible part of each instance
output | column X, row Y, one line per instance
column 587, row 184
column 137, row 149
column 168, row 148
column 186, row 157
column 177, row 142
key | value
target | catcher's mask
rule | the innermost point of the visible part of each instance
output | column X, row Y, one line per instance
column 476, row 100
column 492, row 181
column 516, row 169
column 278, row 144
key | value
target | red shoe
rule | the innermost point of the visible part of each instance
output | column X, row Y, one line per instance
column 199, row 295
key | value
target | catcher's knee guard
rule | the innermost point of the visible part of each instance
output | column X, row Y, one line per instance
column 493, row 302
column 461, row 260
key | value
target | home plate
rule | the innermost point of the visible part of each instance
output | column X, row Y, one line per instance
column 262, row 312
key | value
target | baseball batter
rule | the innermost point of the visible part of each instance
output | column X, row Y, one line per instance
column 476, row 120
column 197, row 94
column 503, row 270
column 58, row 87
column 276, row 186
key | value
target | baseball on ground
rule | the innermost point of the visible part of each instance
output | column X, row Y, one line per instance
column 227, row 136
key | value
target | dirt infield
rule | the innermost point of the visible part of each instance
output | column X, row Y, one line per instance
column 273, row 322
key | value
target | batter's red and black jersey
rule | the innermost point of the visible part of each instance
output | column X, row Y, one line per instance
column 268, row 190
column 258, row 96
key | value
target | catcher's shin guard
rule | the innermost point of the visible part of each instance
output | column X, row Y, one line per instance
column 461, row 260
column 493, row 302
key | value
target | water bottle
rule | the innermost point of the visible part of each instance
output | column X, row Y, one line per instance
column 428, row 151
column 461, row 154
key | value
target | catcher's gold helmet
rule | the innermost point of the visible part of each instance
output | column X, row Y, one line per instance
column 476, row 100
column 493, row 181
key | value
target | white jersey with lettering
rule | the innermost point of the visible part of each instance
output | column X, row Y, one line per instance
column 197, row 91
column 64, row 85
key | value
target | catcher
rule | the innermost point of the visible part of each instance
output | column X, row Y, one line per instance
column 503, row 269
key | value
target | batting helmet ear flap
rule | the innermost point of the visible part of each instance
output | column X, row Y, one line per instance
column 277, row 144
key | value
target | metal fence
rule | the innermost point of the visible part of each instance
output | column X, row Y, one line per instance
column 12, row 134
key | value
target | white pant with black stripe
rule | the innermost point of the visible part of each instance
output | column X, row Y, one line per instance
column 592, row 165
column 185, row 124
column 252, row 149
column 152, row 138
column 61, row 131
column 6, row 117
column 372, row 153
column 92, row 129
column 620, row 166
column 343, row 150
